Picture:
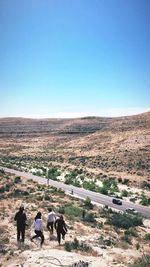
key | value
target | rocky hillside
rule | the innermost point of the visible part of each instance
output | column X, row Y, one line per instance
column 95, row 238
column 85, row 125
column 119, row 146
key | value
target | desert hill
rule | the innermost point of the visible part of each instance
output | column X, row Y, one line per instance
column 78, row 126
column 103, row 145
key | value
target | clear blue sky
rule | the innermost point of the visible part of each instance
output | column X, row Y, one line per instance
column 70, row 58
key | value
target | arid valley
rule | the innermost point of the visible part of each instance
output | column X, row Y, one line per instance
column 109, row 156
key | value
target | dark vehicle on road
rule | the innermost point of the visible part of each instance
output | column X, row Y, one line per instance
column 117, row 201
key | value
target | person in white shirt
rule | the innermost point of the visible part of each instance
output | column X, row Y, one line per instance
column 38, row 228
column 51, row 220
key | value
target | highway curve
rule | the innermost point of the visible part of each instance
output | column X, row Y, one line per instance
column 97, row 198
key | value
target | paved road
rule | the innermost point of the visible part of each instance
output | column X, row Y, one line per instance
column 82, row 193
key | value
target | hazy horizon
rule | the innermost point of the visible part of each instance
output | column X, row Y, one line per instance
column 77, row 116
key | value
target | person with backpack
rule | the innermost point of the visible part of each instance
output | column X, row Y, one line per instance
column 38, row 228
column 61, row 228
column 20, row 218
column 51, row 220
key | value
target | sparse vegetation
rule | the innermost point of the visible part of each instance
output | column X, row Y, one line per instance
column 126, row 238
column 125, row 220
column 145, row 184
column 131, row 232
column 125, row 193
column 147, row 237
column 53, row 173
column 89, row 217
column 90, row 186
column 79, row 158
column 88, row 204
column 76, row 245
column 145, row 201
column 17, row 180
column 137, row 245
column 71, row 211
column 143, row 261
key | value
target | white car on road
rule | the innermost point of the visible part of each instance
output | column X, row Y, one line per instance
column 131, row 210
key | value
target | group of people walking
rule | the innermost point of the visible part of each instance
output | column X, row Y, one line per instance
column 53, row 221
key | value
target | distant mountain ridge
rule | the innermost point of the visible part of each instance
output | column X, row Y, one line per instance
column 82, row 125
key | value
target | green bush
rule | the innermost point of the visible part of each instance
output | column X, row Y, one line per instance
column 73, row 211
column 145, row 201
column 145, row 184
column 147, row 237
column 5, row 188
column 140, row 164
column 53, row 173
column 76, row 245
column 103, row 190
column 19, row 192
column 61, row 210
column 70, row 210
column 124, row 193
column 17, row 180
column 68, row 246
column 71, row 179
column 2, row 189
column 90, row 186
column 53, row 190
column 131, row 232
column 106, row 212
column 90, row 218
column 25, row 193
column 47, row 197
column 109, row 186
column 72, row 245
column 84, row 247
column 125, row 220
column 88, row 204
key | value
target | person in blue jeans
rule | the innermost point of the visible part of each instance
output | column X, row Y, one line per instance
column 38, row 228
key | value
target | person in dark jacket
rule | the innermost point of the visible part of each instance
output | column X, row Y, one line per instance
column 20, row 218
column 61, row 228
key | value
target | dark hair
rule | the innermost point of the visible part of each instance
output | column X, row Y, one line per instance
column 21, row 209
column 49, row 209
column 61, row 217
column 38, row 216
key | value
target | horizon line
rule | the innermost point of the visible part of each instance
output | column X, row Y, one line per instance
column 38, row 117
